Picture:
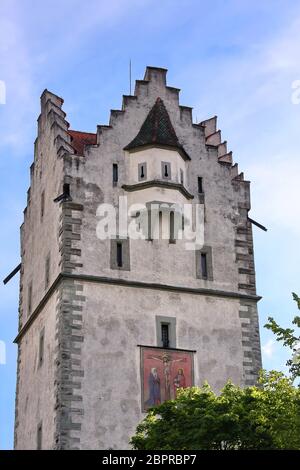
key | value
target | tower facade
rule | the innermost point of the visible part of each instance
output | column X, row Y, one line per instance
column 116, row 313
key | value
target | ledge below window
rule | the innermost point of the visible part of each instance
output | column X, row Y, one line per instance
column 160, row 184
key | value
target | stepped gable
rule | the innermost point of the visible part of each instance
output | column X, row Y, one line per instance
column 213, row 138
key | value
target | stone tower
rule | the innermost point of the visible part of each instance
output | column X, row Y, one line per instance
column 109, row 326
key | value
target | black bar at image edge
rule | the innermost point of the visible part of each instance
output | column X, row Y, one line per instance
column 138, row 459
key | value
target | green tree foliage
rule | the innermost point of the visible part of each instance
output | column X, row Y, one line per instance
column 290, row 339
column 262, row 417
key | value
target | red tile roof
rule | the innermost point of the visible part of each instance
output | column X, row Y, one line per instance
column 80, row 139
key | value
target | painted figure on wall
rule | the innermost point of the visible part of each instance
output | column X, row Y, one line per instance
column 154, row 388
column 179, row 381
column 160, row 378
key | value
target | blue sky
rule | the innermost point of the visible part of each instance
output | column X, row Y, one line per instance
column 231, row 58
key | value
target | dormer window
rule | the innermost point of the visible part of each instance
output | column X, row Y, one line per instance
column 166, row 170
column 142, row 170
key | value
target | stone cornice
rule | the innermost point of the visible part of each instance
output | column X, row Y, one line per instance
column 129, row 283
column 158, row 184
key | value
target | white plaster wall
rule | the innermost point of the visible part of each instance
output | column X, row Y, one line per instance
column 36, row 398
column 116, row 320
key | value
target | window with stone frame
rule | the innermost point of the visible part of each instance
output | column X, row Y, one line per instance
column 142, row 171
column 166, row 170
column 204, row 263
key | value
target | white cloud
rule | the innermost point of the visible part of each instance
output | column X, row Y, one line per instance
column 17, row 74
column 252, row 93
column 32, row 51
column 268, row 348
column 258, row 76
column 276, row 192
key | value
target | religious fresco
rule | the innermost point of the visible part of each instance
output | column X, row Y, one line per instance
column 163, row 372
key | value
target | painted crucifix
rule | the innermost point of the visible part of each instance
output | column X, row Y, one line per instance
column 167, row 363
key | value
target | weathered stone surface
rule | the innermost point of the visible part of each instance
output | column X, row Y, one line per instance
column 87, row 392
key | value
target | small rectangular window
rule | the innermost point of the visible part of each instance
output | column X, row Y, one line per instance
column 166, row 170
column 47, row 271
column 42, row 204
column 200, row 185
column 39, row 436
column 172, row 227
column 204, row 265
column 66, row 190
column 115, row 173
column 119, row 255
column 165, row 335
column 181, row 176
column 41, row 347
column 29, row 305
column 142, row 169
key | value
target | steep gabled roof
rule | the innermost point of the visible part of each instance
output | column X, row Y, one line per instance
column 157, row 130
column 80, row 139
